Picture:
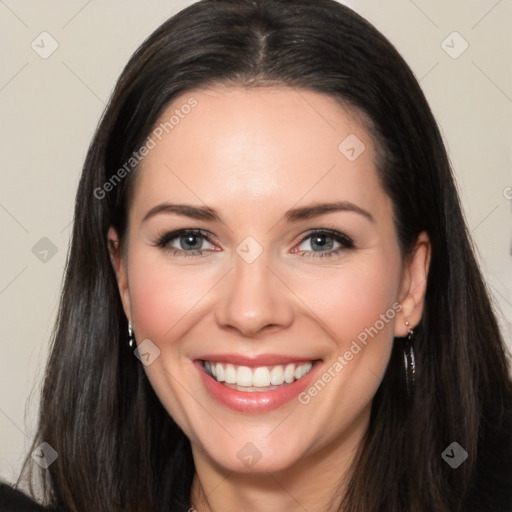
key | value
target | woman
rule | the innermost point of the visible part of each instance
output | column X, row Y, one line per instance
column 259, row 371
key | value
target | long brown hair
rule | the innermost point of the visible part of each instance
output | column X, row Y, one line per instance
column 118, row 448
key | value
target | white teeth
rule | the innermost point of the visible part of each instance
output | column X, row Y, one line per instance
column 260, row 377
column 244, row 376
column 230, row 374
column 277, row 375
column 219, row 372
column 289, row 373
column 301, row 370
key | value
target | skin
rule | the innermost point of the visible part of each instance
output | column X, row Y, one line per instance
column 252, row 154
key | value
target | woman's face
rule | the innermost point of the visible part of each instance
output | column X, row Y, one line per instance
column 295, row 307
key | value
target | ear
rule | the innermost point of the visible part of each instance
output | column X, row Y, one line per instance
column 413, row 285
column 119, row 265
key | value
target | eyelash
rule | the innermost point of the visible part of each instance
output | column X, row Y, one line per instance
column 347, row 242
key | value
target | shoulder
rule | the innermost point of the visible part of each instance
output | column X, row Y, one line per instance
column 13, row 500
column 493, row 486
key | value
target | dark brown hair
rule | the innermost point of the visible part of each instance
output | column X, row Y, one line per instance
column 119, row 450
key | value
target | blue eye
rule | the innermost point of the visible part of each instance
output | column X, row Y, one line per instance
column 318, row 238
column 189, row 238
column 193, row 239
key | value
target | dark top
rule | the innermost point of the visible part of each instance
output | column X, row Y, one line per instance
column 12, row 500
column 492, row 494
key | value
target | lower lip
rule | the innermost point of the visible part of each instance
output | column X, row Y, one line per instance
column 255, row 401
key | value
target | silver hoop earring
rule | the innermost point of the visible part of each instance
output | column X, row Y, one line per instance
column 131, row 337
column 409, row 361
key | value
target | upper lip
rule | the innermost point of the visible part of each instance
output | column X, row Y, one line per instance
column 255, row 361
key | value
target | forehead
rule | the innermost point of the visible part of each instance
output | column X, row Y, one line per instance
column 252, row 146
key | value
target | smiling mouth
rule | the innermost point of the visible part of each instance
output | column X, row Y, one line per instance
column 261, row 378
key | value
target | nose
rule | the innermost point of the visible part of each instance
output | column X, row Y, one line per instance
column 254, row 299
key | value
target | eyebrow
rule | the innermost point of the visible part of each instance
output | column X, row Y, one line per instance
column 292, row 215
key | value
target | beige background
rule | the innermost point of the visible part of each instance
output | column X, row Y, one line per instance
column 50, row 108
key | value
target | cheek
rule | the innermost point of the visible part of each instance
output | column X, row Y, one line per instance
column 358, row 306
column 162, row 296
column 349, row 301
column 165, row 302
